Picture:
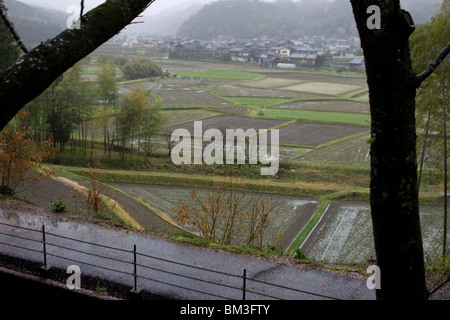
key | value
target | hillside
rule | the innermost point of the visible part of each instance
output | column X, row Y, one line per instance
column 165, row 23
column 246, row 19
column 35, row 24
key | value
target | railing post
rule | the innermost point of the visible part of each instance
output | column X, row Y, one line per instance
column 135, row 294
column 44, row 271
column 44, row 247
column 244, row 284
column 135, row 269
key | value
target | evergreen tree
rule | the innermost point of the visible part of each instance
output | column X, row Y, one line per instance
column 9, row 51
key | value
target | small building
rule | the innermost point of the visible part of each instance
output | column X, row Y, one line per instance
column 357, row 63
column 303, row 59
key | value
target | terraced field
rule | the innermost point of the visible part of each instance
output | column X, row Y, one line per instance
column 240, row 91
column 189, row 97
column 344, row 234
column 233, row 122
column 315, row 134
column 290, row 213
column 323, row 118
column 328, row 105
column 325, row 88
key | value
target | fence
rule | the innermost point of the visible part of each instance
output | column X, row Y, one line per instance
column 147, row 271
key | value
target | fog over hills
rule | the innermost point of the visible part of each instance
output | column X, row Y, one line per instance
column 246, row 19
column 205, row 19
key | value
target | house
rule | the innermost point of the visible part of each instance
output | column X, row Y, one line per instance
column 280, row 51
column 303, row 59
column 239, row 54
column 357, row 63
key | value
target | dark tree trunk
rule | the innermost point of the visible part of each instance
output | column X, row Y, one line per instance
column 36, row 71
column 394, row 191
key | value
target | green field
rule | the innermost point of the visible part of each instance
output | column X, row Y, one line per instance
column 357, row 119
column 95, row 70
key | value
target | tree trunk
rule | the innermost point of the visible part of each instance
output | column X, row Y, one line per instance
column 394, row 192
column 39, row 68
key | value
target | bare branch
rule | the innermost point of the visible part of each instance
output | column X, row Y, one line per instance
column 424, row 75
column 81, row 11
column 28, row 77
column 13, row 31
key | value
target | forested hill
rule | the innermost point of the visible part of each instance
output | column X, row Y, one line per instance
column 35, row 24
column 246, row 19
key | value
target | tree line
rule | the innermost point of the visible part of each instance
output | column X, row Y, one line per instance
column 79, row 114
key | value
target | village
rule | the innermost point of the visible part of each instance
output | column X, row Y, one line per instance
column 310, row 51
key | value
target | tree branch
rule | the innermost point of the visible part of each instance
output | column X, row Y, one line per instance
column 10, row 26
column 34, row 72
column 424, row 75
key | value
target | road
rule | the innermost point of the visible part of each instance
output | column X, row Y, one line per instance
column 166, row 268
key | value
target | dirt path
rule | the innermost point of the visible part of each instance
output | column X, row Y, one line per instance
column 51, row 189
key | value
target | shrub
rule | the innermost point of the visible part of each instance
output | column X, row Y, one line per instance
column 59, row 206
column 300, row 255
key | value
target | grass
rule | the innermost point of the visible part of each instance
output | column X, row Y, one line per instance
column 319, row 116
column 306, row 180
column 95, row 70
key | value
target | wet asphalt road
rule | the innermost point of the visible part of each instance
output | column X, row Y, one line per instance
column 166, row 268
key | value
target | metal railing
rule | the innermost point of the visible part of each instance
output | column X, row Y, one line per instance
column 204, row 281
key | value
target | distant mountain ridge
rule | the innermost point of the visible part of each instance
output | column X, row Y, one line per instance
column 244, row 19
column 247, row 19
column 35, row 24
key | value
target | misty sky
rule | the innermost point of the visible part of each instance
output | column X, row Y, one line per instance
column 158, row 6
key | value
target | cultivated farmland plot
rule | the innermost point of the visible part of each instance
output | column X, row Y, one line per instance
column 186, row 83
column 328, row 105
column 233, row 122
column 344, row 233
column 324, row 88
column 176, row 115
column 315, row 134
column 189, row 97
column 298, row 133
column 271, row 83
column 289, row 217
column 351, row 152
column 231, row 109
column 318, row 77
column 236, row 91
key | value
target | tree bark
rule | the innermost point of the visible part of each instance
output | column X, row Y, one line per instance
column 39, row 68
column 394, row 193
